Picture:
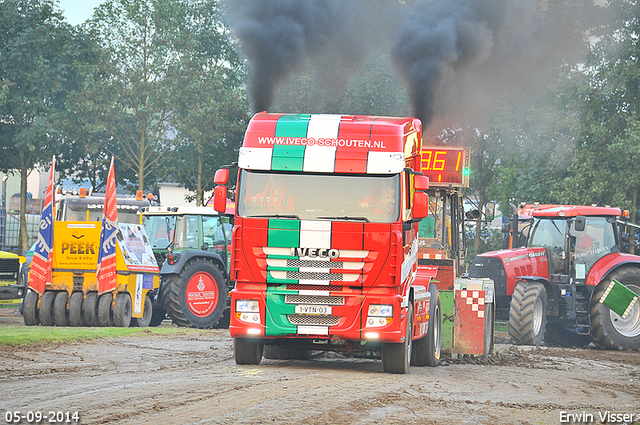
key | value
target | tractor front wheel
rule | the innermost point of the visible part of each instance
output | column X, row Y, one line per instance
column 528, row 313
column 608, row 329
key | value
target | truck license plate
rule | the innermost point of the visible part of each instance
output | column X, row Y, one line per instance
column 321, row 310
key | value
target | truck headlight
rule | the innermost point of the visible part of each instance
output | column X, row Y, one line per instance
column 382, row 310
column 379, row 315
column 248, row 311
column 247, row 306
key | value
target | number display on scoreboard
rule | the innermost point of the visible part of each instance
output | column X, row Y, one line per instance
column 446, row 165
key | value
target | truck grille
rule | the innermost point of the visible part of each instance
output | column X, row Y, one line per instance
column 313, row 299
column 308, row 320
column 9, row 268
column 348, row 269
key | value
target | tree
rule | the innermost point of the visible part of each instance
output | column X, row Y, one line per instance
column 37, row 71
column 211, row 106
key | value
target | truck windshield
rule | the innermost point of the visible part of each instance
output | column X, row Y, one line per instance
column 368, row 198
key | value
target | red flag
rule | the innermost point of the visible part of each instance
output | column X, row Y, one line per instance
column 106, row 270
column 42, row 263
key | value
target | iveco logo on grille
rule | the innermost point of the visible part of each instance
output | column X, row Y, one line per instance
column 315, row 252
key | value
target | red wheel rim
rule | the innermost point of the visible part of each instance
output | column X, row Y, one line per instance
column 202, row 294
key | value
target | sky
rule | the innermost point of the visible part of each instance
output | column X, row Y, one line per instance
column 78, row 11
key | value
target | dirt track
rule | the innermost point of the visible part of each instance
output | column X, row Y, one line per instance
column 192, row 378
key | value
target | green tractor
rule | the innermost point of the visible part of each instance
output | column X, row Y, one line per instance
column 191, row 245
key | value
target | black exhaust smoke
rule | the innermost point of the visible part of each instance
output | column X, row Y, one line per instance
column 466, row 54
column 277, row 36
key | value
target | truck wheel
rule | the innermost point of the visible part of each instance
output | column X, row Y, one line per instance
column 426, row 350
column 608, row 330
column 90, row 309
column 60, row 312
column 30, row 309
column 528, row 313
column 122, row 310
column 147, row 314
column 105, row 318
column 75, row 309
column 46, row 308
column 197, row 296
column 248, row 350
column 396, row 356
column 558, row 335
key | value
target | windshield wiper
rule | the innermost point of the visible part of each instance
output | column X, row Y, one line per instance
column 275, row 216
column 344, row 218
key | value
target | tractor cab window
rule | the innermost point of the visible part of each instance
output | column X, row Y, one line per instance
column 187, row 236
column 588, row 246
column 550, row 234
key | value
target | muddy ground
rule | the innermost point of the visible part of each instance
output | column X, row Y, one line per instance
column 192, row 378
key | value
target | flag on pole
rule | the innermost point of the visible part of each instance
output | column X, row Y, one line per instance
column 42, row 263
column 106, row 270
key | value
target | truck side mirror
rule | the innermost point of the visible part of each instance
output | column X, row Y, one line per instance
column 580, row 223
column 421, row 182
column 220, row 198
column 420, row 205
column 221, row 176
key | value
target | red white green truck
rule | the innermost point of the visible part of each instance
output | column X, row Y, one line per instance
column 325, row 239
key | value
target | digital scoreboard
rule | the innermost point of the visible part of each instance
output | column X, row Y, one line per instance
column 446, row 165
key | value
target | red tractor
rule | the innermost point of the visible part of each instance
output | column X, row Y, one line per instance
column 551, row 283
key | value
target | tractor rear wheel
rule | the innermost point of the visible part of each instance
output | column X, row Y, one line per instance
column 426, row 350
column 122, row 310
column 90, row 309
column 105, row 317
column 528, row 313
column 396, row 356
column 30, row 309
column 248, row 350
column 46, row 308
column 75, row 309
column 197, row 296
column 608, row 329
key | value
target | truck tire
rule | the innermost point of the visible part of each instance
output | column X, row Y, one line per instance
column 30, row 309
column 396, row 356
column 426, row 350
column 528, row 313
column 122, row 310
column 75, row 309
column 60, row 312
column 608, row 330
column 46, row 308
column 105, row 316
column 248, row 350
column 147, row 314
column 90, row 309
column 182, row 295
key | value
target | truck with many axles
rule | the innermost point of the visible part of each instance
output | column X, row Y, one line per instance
column 324, row 244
